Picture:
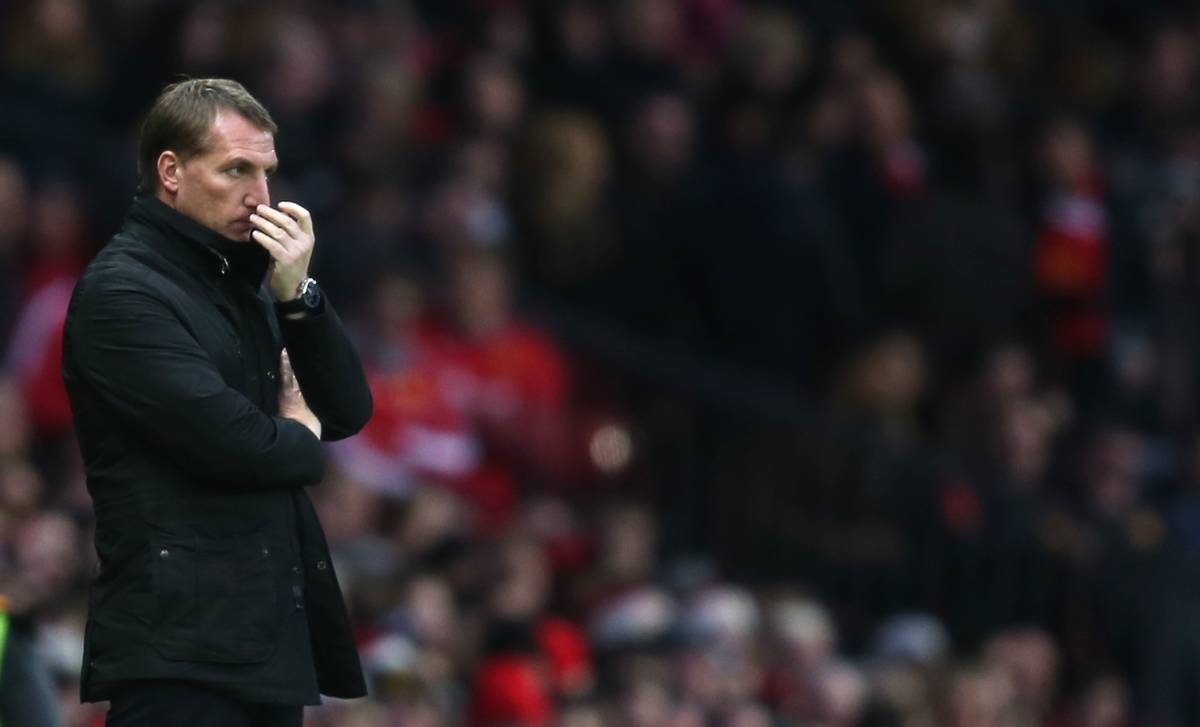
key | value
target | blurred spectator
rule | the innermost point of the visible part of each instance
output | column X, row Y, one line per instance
column 1071, row 259
column 14, row 234
column 471, row 397
column 568, row 249
column 35, row 353
column 515, row 385
column 1030, row 661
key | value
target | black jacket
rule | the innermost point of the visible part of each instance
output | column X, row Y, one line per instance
column 213, row 565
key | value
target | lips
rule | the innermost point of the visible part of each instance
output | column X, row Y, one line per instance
column 241, row 229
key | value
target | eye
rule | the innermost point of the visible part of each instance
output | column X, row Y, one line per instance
column 236, row 171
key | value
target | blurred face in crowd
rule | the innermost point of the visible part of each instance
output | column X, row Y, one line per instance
column 581, row 31
column 20, row 488
column 979, row 697
column 716, row 675
column 1106, row 704
column 852, row 58
column 1025, row 429
column 645, row 704
column 1009, row 374
column 1114, row 476
column 1030, row 660
column 771, row 50
column 526, row 578
column 432, row 610
column 14, row 421
column 884, row 110
column 843, row 690
column 805, row 632
column 434, row 515
column 221, row 187
column 1067, row 158
column 301, row 74
column 46, row 557
column 14, row 202
column 57, row 220
column 1171, row 67
column 892, row 374
column 663, row 133
column 495, row 94
column 650, row 27
column 629, row 542
column 347, row 509
column 481, row 294
column 398, row 302
column 63, row 22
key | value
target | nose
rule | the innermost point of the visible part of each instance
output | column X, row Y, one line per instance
column 258, row 192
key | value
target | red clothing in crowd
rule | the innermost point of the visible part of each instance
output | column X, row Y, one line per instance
column 1071, row 269
column 510, row 690
column 471, row 413
column 35, row 354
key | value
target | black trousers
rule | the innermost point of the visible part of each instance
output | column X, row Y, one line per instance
column 162, row 703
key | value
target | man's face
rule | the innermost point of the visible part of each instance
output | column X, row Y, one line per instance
column 221, row 187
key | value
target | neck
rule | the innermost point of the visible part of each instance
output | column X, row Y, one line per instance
column 165, row 197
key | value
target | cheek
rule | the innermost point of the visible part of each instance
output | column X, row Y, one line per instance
column 226, row 193
column 207, row 188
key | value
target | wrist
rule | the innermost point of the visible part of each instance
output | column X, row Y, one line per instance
column 308, row 301
column 285, row 291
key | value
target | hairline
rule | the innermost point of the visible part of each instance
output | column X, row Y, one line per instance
column 206, row 141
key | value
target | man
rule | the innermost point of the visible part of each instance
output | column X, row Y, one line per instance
column 215, row 601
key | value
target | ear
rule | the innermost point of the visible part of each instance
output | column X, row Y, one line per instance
column 169, row 168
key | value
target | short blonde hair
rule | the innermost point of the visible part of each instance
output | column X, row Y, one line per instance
column 182, row 115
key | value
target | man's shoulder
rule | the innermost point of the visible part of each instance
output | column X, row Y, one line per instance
column 131, row 253
column 124, row 264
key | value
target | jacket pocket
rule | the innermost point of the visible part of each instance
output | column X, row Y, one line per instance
column 215, row 601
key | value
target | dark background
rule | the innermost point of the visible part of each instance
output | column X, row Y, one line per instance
column 736, row 363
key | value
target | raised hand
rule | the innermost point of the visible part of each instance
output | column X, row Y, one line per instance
column 287, row 234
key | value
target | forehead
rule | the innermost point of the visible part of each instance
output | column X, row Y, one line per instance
column 232, row 134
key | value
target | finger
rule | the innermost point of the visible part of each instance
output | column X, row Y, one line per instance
column 286, row 374
column 268, row 227
column 283, row 221
column 300, row 214
column 273, row 246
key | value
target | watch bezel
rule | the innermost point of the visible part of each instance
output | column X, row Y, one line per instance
column 310, row 293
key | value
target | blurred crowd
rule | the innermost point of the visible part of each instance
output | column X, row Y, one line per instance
column 736, row 364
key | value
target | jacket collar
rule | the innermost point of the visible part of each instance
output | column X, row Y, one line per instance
column 196, row 247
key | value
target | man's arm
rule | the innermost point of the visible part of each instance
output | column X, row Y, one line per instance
column 329, row 371
column 325, row 363
column 153, row 375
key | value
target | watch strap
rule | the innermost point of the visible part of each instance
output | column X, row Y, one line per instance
column 299, row 304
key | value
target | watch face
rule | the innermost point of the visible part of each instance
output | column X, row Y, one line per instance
column 311, row 295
